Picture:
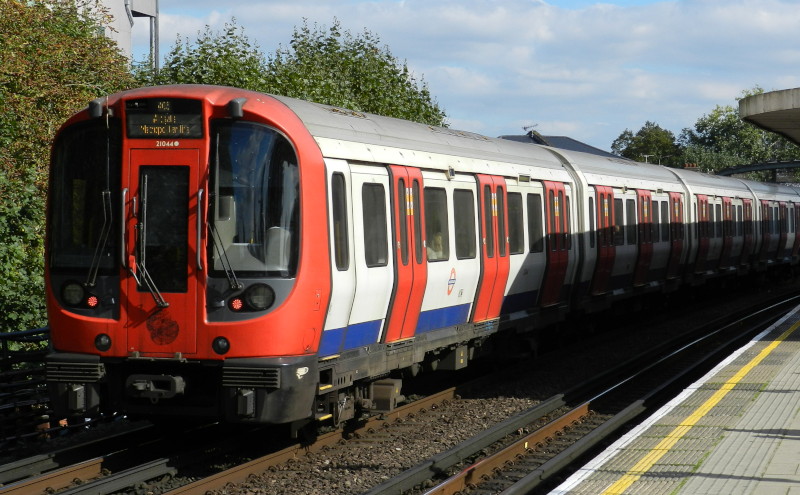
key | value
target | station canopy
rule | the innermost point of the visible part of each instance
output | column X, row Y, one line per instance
column 776, row 111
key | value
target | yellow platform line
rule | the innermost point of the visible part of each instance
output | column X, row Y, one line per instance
column 660, row 450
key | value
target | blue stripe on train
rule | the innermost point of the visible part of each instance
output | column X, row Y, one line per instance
column 442, row 317
column 518, row 302
column 338, row 340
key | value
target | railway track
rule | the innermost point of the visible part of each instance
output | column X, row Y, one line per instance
column 630, row 390
column 254, row 473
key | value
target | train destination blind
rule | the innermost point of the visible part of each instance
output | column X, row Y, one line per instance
column 164, row 118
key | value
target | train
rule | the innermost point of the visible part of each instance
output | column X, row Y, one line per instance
column 219, row 253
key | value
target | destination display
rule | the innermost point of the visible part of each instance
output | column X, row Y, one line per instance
column 164, row 118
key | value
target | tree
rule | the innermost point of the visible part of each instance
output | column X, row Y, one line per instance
column 650, row 144
column 52, row 62
column 721, row 139
column 326, row 66
column 228, row 58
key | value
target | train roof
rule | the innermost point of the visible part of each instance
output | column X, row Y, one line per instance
column 353, row 135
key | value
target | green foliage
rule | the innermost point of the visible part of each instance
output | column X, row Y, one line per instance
column 721, row 139
column 650, row 144
column 718, row 140
column 52, row 62
column 228, row 58
column 326, row 66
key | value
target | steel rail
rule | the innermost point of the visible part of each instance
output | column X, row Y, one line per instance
column 583, row 394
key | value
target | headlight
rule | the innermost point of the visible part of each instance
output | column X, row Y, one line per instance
column 259, row 297
column 72, row 293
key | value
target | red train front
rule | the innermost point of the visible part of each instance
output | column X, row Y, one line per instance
column 187, row 260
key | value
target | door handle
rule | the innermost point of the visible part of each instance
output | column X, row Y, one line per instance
column 123, row 251
column 199, row 228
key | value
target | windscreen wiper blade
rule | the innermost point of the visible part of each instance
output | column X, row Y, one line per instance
column 139, row 272
column 223, row 258
column 91, row 278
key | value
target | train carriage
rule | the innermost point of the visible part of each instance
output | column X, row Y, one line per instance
column 220, row 253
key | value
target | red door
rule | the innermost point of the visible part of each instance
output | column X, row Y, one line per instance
column 645, row 230
column 411, row 271
column 161, row 251
column 605, row 239
column 557, row 243
column 727, row 233
column 766, row 231
column 784, row 230
column 796, row 245
column 675, row 234
column 703, row 233
column 494, row 248
column 747, row 228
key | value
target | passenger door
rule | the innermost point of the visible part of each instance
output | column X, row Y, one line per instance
column 676, row 235
column 703, row 233
column 494, row 248
column 161, row 250
column 557, row 243
column 645, row 227
column 408, row 225
column 605, row 239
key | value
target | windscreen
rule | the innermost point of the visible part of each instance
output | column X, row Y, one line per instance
column 84, row 195
column 254, row 210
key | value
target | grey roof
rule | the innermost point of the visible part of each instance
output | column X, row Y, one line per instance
column 561, row 142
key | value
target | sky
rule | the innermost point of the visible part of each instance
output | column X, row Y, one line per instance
column 579, row 68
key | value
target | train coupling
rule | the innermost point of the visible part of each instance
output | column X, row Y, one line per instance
column 155, row 386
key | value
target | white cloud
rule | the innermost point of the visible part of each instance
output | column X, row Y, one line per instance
column 582, row 68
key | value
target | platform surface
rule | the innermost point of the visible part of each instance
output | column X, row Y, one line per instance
column 734, row 431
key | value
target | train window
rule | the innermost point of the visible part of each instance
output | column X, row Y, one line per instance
column 501, row 221
column 739, row 221
column 255, row 200
column 402, row 211
column 552, row 226
column 464, row 218
column 80, row 176
column 591, row 222
column 776, row 229
column 665, row 221
column 718, row 220
column 516, row 222
column 630, row 218
column 376, row 251
column 165, row 188
column 436, row 225
column 567, row 231
column 619, row 222
column 488, row 232
column 340, row 233
column 416, row 208
column 535, row 231
column 655, row 226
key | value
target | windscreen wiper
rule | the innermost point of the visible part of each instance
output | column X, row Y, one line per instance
column 139, row 272
column 91, row 278
column 223, row 258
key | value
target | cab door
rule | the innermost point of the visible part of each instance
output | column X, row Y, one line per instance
column 162, row 200
column 411, row 275
column 493, row 246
